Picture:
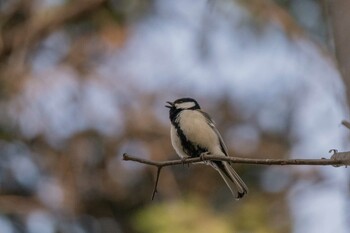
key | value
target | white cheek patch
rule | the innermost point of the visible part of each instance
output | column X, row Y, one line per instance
column 185, row 105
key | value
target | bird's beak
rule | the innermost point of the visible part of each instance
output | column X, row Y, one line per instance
column 170, row 104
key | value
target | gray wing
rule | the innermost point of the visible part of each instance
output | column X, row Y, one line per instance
column 212, row 125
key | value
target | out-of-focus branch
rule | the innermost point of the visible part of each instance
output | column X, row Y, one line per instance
column 339, row 22
column 334, row 161
column 11, row 204
column 41, row 24
column 346, row 124
column 23, row 28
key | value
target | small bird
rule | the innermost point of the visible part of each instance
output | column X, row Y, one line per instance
column 194, row 134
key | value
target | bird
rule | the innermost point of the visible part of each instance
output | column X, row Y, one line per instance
column 193, row 134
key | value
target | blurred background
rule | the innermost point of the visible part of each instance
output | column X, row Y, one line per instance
column 84, row 81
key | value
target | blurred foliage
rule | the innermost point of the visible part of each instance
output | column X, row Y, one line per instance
column 194, row 214
column 190, row 215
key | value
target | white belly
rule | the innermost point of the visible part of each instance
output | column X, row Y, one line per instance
column 196, row 129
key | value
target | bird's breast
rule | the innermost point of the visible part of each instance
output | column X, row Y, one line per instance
column 197, row 130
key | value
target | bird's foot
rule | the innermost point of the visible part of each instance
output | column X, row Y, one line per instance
column 202, row 156
column 183, row 160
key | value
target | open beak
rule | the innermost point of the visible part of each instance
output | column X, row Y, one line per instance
column 170, row 104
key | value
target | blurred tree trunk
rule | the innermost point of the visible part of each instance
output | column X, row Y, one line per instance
column 339, row 22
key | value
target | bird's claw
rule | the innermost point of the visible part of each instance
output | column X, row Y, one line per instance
column 183, row 160
column 202, row 156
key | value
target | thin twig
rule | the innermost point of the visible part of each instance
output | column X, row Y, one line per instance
column 339, row 161
column 319, row 162
column 156, row 183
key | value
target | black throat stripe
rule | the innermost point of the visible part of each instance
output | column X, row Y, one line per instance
column 190, row 148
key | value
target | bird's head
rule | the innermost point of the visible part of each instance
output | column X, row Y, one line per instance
column 179, row 105
column 183, row 104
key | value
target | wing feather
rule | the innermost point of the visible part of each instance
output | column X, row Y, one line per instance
column 212, row 125
column 230, row 176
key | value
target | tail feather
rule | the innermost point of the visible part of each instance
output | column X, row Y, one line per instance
column 231, row 178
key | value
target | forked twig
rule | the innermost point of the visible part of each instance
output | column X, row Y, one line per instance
column 336, row 161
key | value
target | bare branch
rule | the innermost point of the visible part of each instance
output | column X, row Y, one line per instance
column 338, row 159
column 320, row 162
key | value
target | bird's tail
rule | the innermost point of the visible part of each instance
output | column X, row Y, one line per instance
column 231, row 178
